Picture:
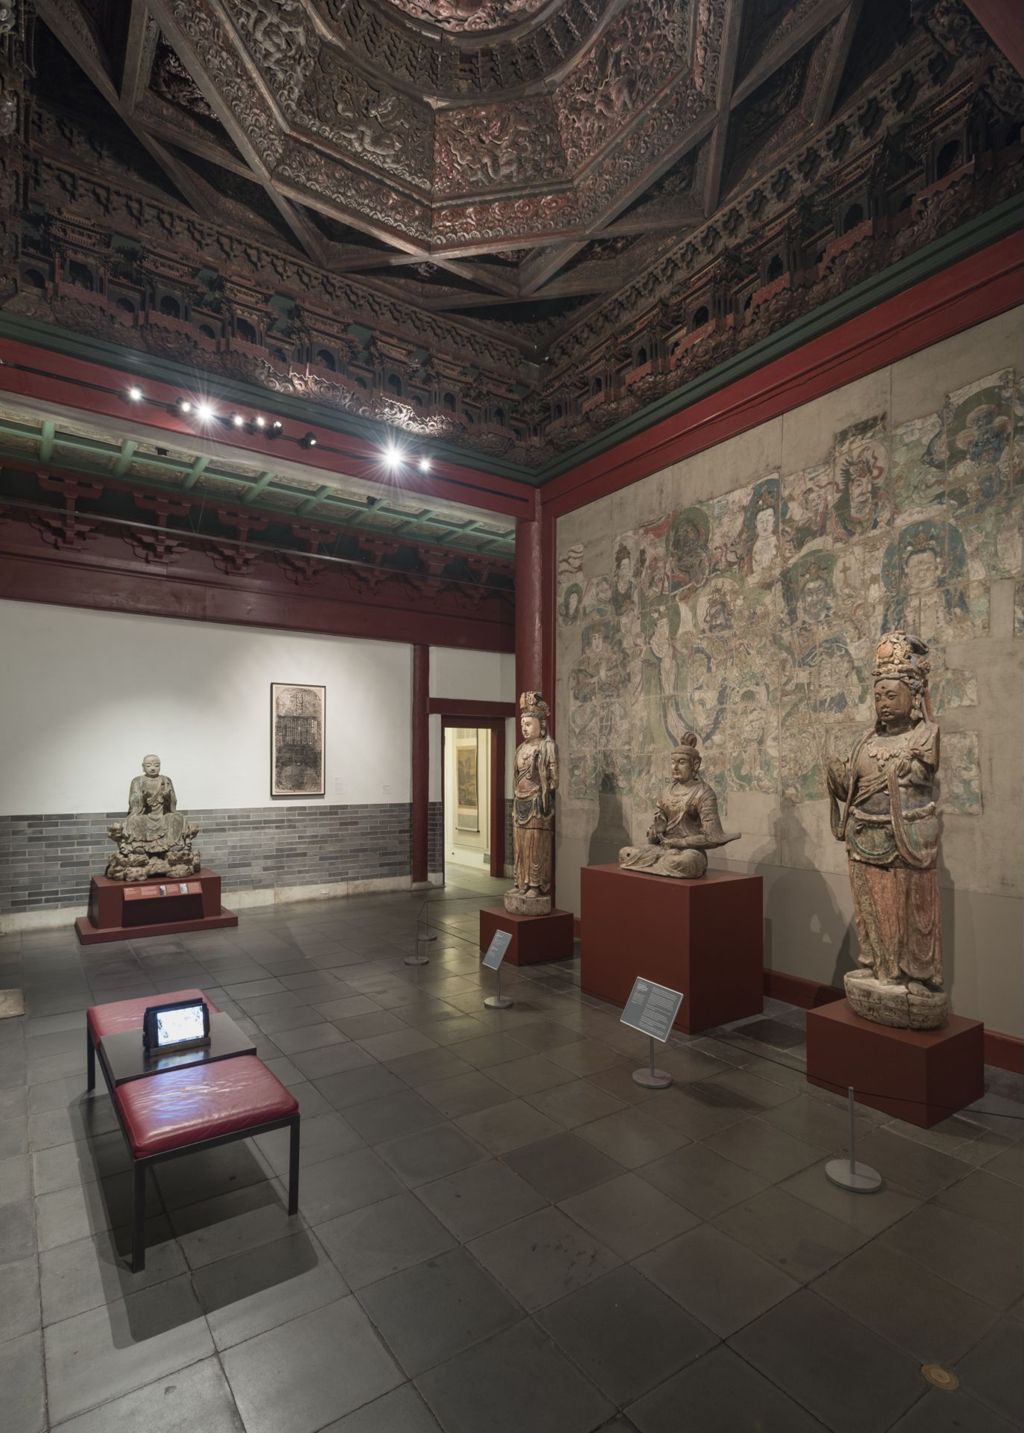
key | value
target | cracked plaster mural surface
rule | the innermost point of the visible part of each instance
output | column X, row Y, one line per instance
column 751, row 618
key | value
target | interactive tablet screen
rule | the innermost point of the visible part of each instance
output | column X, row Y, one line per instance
column 176, row 1026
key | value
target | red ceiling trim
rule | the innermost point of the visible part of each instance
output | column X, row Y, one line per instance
column 968, row 292
column 100, row 391
column 1004, row 22
column 455, row 707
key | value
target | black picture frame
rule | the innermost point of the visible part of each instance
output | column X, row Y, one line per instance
column 298, row 741
column 149, row 1026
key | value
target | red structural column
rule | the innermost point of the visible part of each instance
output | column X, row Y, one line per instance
column 529, row 603
column 420, row 761
column 498, row 798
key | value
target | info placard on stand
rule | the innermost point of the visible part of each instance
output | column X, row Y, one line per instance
column 491, row 959
column 652, row 1010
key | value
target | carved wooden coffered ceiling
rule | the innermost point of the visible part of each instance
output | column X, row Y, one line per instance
column 503, row 224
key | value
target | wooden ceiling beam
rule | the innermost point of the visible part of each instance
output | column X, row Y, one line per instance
column 140, row 48
column 720, row 134
column 817, row 19
column 843, row 40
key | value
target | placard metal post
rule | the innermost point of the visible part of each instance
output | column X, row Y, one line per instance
column 847, row 1173
column 492, row 958
column 497, row 1001
column 651, row 1009
column 651, row 1078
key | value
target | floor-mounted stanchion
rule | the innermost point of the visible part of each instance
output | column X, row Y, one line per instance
column 847, row 1173
column 497, row 1001
column 650, row 1077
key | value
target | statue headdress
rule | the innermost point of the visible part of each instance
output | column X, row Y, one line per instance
column 533, row 704
column 904, row 658
column 688, row 747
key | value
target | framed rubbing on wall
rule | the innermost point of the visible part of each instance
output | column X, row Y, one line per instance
column 297, row 725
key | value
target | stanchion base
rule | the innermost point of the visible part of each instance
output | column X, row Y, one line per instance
column 416, row 960
column 497, row 1002
column 861, row 1179
column 652, row 1079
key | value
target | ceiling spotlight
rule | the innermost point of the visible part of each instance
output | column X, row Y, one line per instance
column 183, row 406
column 424, row 465
column 237, row 421
column 276, row 429
column 205, row 413
column 392, row 456
column 135, row 393
column 259, row 422
column 308, row 440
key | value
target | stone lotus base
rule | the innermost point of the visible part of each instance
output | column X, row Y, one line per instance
column 521, row 905
column 899, row 1006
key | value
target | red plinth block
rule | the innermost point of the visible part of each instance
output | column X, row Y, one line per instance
column 534, row 938
column 703, row 937
column 921, row 1076
column 119, row 910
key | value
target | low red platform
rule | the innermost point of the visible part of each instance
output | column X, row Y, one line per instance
column 703, row 937
column 121, row 911
column 534, row 938
column 921, row 1076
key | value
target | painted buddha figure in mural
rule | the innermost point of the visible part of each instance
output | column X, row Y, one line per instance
column 535, row 780
column 154, row 839
column 883, row 808
column 685, row 825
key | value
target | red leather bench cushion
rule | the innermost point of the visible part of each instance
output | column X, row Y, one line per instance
column 127, row 1014
column 181, row 1107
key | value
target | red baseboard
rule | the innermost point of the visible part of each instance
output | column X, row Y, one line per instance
column 1006, row 1052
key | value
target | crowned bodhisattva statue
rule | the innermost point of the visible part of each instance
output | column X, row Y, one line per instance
column 154, row 839
column 882, row 801
column 685, row 824
column 533, row 810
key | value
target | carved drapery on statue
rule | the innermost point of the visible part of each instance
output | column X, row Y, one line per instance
column 685, row 825
column 883, row 808
column 533, row 810
column 154, row 839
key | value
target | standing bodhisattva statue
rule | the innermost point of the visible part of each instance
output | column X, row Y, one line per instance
column 883, row 807
column 533, row 810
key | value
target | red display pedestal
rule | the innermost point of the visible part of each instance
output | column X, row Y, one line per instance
column 703, row 937
column 921, row 1076
column 119, row 910
column 534, row 938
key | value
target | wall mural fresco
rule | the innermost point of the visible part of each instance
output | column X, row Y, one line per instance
column 750, row 619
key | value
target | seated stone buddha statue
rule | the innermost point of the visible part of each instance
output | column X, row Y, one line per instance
column 154, row 839
column 685, row 824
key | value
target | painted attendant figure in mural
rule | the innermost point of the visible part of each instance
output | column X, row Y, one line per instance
column 883, row 807
column 533, row 810
column 685, row 825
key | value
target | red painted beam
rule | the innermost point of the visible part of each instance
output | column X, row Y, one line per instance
column 529, row 589
column 1003, row 20
column 420, row 761
column 455, row 707
column 497, row 842
column 100, row 391
column 957, row 298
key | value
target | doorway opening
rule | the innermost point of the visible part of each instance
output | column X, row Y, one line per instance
column 474, row 795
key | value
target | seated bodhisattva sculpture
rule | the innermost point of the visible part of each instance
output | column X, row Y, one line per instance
column 685, row 825
column 154, row 839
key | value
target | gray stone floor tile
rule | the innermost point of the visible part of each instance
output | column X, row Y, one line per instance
column 96, row 1356
column 585, row 1057
column 17, row 1232
column 562, row 1166
column 908, row 1165
column 229, row 1223
column 355, row 1087
column 720, row 1393
column 310, row 1371
column 624, row 1334
column 750, row 1087
column 83, row 1275
column 425, row 1066
column 699, row 1110
column 363, row 1027
column 990, row 1200
column 209, row 1173
column 956, row 1412
column 576, row 1103
column 869, row 1215
column 764, row 1149
column 848, row 1377
column 259, row 1289
column 993, row 1371
column 369, row 1244
column 396, row 1043
column 323, row 1137
column 530, row 1075
column 464, row 1094
column 20, row 1310
column 15, row 1178
column 628, row 1215
column 631, row 1138
column 21, row 1384
column 483, row 1197
column 975, row 1257
column 906, row 1304
column 492, row 1049
column 330, row 1060
column 720, row 1282
column 509, row 1126
column 815, row 1122
column 618, row 1080
column 542, row 1257
column 702, row 1180
column 309, row 1037
column 800, row 1239
column 487, row 1390
column 431, row 1154
column 344, row 1183
column 393, row 1116
column 197, row 1397
column 1009, row 1164
column 431, row 1312
column 401, row 1411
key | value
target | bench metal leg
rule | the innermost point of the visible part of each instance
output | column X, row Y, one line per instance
column 139, row 1218
column 293, row 1168
column 90, row 1061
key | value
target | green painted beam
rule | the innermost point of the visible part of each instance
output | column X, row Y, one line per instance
column 127, row 453
column 313, row 500
column 46, row 437
column 195, row 472
column 259, row 486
